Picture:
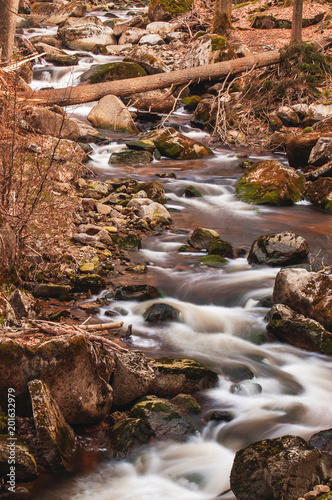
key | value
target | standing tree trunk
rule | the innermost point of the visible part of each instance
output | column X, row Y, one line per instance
column 296, row 34
column 8, row 14
column 222, row 17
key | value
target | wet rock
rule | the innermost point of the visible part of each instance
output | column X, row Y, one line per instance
column 319, row 193
column 288, row 116
column 148, row 210
column 74, row 374
column 239, row 374
column 92, row 282
column 154, row 190
column 131, row 241
column 192, row 192
column 221, row 416
column 299, row 148
column 271, row 183
column 147, row 60
column 322, row 440
column 181, row 376
column 25, row 464
column 208, row 49
column 56, row 438
column 133, row 377
column 246, row 389
column 278, row 249
column 294, row 329
column 221, row 248
column 24, row 305
column 128, row 434
column 7, row 249
column 306, row 293
column 48, row 290
column 202, row 238
column 48, row 122
column 186, row 403
column 163, row 417
column 129, row 157
column 175, row 145
column 321, row 153
column 112, row 71
column 161, row 312
column 141, row 146
column 159, row 10
column 56, row 56
column 205, row 113
column 284, row 468
column 139, row 293
column 85, row 33
column 110, row 113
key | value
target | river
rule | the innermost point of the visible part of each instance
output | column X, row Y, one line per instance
column 221, row 313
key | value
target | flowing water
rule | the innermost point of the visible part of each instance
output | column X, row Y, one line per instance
column 221, row 315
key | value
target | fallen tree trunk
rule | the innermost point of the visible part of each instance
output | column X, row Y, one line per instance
column 94, row 92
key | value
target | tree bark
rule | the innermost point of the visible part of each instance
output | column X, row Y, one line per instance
column 296, row 34
column 94, row 92
column 8, row 14
column 222, row 17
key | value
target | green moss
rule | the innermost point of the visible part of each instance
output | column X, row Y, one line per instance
column 306, row 130
column 218, row 43
column 175, row 7
column 212, row 261
column 117, row 71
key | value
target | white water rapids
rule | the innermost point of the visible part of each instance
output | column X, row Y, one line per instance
column 220, row 315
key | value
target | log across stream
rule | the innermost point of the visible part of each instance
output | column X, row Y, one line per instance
column 221, row 315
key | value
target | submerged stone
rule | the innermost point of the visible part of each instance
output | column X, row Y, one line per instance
column 161, row 312
column 128, row 434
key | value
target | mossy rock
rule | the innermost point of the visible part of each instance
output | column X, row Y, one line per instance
column 221, row 248
column 271, row 183
column 192, row 192
column 319, row 193
column 190, row 103
column 130, row 157
column 164, row 10
column 164, row 418
column 92, row 282
column 181, row 376
column 141, row 145
column 49, row 290
column 187, row 403
column 201, row 238
column 212, row 261
column 154, row 190
column 25, row 466
column 131, row 241
column 113, row 71
column 129, row 434
column 138, row 293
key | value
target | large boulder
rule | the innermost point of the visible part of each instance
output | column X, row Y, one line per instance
column 165, row 10
column 84, row 33
column 175, row 145
column 7, row 249
column 164, row 418
column 306, row 293
column 278, row 249
column 271, row 183
column 75, row 375
column 49, row 122
column 112, row 71
column 202, row 238
column 181, row 376
column 110, row 113
column 56, row 438
column 139, row 293
column 284, row 468
column 208, row 49
column 319, row 193
column 299, row 148
column 294, row 329
column 25, row 467
column 133, row 377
